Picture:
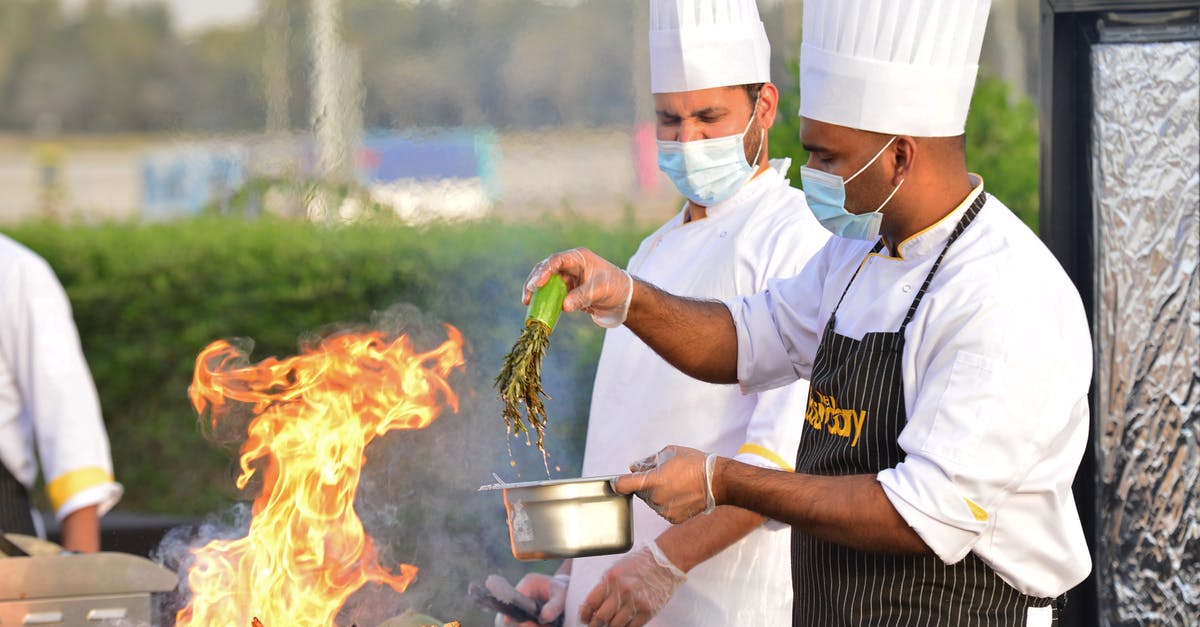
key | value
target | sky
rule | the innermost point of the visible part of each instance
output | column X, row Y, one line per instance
column 193, row 15
column 196, row 15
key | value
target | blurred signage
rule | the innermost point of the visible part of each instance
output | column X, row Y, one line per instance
column 181, row 181
column 453, row 155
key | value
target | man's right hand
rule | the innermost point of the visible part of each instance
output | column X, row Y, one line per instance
column 550, row 593
column 696, row 336
column 595, row 285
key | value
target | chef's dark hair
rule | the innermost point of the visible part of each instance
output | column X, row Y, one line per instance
column 752, row 91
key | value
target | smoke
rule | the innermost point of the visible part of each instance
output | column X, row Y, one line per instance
column 418, row 495
column 175, row 553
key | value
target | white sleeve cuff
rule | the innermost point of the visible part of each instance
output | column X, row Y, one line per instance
column 763, row 360
column 103, row 496
column 933, row 507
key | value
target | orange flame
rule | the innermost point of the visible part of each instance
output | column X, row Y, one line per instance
column 314, row 415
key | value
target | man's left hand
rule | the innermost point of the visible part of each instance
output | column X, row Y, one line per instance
column 676, row 482
column 633, row 590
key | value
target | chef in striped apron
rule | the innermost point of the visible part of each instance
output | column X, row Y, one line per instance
column 948, row 352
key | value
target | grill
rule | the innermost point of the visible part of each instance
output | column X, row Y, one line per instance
column 80, row 589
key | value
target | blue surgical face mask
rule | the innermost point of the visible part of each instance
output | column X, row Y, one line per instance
column 826, row 195
column 707, row 171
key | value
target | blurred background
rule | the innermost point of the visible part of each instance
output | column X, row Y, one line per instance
column 156, row 109
column 278, row 169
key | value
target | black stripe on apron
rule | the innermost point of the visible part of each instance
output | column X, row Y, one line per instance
column 16, row 514
column 854, row 417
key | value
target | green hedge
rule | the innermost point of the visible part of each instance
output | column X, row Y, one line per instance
column 148, row 298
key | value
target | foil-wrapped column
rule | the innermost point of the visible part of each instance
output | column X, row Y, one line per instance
column 1146, row 183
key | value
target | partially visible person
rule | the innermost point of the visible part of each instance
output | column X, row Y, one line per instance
column 49, row 409
column 741, row 226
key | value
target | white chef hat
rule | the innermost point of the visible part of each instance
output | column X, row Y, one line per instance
column 698, row 44
column 900, row 67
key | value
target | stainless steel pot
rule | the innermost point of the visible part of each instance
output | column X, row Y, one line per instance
column 567, row 518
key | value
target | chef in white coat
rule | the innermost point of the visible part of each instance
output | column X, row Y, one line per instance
column 49, row 410
column 948, row 353
column 742, row 225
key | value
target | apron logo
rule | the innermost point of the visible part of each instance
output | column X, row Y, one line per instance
column 824, row 414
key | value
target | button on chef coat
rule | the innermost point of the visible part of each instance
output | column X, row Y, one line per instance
column 48, row 401
column 640, row 403
column 997, row 364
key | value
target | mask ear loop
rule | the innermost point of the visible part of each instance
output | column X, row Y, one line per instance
column 889, row 198
column 753, row 112
column 763, row 132
column 762, row 139
column 862, row 169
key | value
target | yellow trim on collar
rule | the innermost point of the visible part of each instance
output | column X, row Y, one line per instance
column 767, row 454
column 69, row 484
column 978, row 512
column 975, row 192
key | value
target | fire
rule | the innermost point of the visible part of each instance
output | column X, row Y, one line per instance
column 314, row 415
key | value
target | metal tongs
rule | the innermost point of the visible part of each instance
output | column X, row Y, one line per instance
column 498, row 595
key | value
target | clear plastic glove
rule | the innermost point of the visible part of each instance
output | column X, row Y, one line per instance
column 596, row 286
column 633, row 590
column 676, row 482
column 549, row 592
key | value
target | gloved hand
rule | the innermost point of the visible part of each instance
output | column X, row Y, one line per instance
column 595, row 285
column 676, row 482
column 549, row 592
column 633, row 590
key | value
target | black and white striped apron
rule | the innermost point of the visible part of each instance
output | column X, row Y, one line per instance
column 15, row 511
column 854, row 417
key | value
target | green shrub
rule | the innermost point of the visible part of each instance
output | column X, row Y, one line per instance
column 1002, row 146
column 148, row 298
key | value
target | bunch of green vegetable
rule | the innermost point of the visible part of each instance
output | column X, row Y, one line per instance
column 520, row 378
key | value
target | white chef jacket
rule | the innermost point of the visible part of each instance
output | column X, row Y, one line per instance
column 997, row 364
column 640, row 403
column 48, row 402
